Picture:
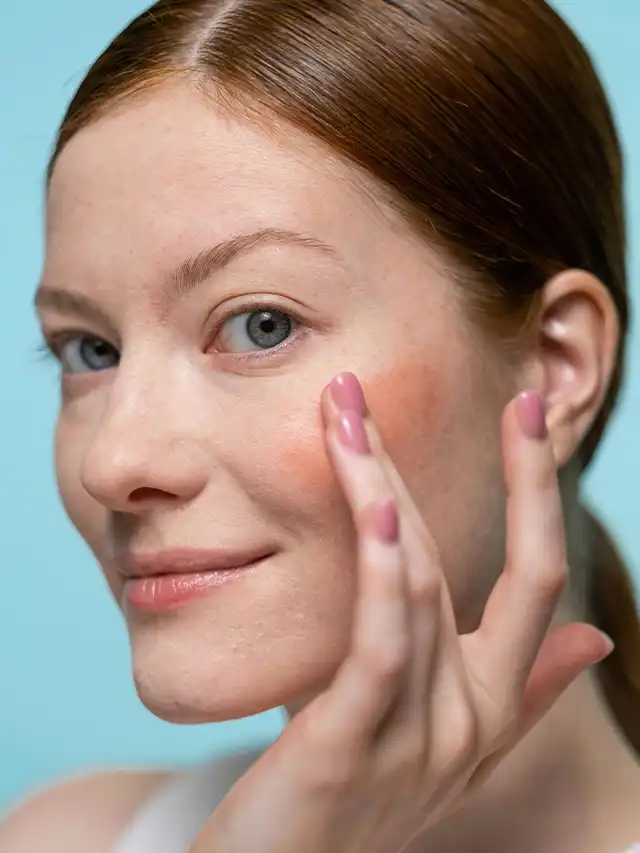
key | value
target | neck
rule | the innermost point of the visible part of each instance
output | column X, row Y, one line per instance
column 573, row 784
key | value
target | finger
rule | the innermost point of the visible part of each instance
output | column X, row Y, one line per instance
column 566, row 653
column 427, row 591
column 345, row 392
column 362, row 478
column 520, row 608
column 368, row 682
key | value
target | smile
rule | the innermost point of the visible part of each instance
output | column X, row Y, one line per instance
column 168, row 579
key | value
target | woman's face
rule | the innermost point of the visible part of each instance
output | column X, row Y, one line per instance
column 190, row 418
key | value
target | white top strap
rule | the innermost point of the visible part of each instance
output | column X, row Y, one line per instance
column 170, row 820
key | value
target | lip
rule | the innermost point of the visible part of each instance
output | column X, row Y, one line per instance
column 156, row 582
column 188, row 561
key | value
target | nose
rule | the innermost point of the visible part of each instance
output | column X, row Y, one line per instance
column 138, row 460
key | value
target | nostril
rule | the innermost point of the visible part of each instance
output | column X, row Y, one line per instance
column 146, row 494
column 128, row 474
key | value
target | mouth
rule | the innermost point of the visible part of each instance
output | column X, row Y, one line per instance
column 156, row 582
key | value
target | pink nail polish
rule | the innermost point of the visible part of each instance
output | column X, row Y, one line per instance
column 531, row 415
column 387, row 523
column 352, row 433
column 347, row 393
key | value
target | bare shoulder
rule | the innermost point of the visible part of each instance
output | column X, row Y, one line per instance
column 86, row 813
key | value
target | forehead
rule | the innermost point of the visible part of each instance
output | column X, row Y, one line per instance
column 175, row 166
column 165, row 177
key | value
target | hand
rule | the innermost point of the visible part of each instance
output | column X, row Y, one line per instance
column 417, row 716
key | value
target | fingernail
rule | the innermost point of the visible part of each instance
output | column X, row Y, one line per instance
column 352, row 433
column 610, row 646
column 347, row 393
column 531, row 414
column 385, row 522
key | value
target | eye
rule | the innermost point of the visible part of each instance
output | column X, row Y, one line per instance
column 85, row 354
column 261, row 329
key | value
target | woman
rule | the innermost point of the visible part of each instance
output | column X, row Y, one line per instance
column 338, row 293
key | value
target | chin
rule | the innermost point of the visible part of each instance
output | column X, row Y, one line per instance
column 189, row 683
column 181, row 702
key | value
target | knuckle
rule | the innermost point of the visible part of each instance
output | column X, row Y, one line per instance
column 332, row 772
column 547, row 583
column 425, row 590
column 464, row 736
column 389, row 660
column 311, row 729
column 552, row 582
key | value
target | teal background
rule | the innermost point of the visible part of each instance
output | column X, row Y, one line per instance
column 66, row 696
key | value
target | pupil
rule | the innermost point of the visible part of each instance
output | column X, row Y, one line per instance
column 268, row 328
column 95, row 352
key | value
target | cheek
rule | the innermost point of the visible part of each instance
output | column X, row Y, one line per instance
column 305, row 464
column 86, row 514
column 301, row 455
column 67, row 463
column 444, row 439
column 409, row 406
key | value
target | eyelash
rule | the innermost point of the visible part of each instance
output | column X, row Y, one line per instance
column 48, row 349
column 253, row 305
column 45, row 349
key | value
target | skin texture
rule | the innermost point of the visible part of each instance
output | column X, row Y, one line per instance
column 182, row 446
column 187, row 443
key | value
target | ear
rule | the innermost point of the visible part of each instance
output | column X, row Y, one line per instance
column 578, row 335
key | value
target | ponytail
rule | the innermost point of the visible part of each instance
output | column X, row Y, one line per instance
column 613, row 608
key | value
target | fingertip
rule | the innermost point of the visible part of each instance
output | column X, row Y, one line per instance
column 526, row 440
column 607, row 646
column 574, row 646
column 531, row 414
column 328, row 408
column 566, row 654
column 347, row 393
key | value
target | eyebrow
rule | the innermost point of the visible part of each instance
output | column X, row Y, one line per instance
column 188, row 274
column 192, row 272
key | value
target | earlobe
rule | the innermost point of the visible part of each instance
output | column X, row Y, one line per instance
column 578, row 337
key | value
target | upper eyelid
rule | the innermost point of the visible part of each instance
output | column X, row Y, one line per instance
column 73, row 310
column 54, row 340
column 258, row 305
column 303, row 314
column 300, row 326
column 61, row 330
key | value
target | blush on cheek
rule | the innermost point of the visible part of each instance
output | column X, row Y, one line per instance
column 305, row 463
column 408, row 406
